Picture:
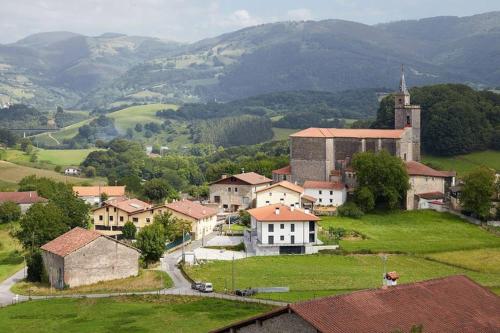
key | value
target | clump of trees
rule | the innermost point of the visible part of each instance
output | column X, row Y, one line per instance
column 479, row 187
column 9, row 212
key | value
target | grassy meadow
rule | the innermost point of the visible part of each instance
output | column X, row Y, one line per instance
column 465, row 163
column 11, row 259
column 62, row 157
column 128, row 117
column 125, row 314
column 422, row 245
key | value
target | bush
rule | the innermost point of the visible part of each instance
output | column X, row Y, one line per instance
column 151, row 242
column 90, row 172
column 58, row 168
column 129, row 230
column 9, row 211
column 35, row 267
column 365, row 198
column 336, row 233
column 350, row 209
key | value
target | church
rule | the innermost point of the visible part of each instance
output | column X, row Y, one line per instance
column 325, row 154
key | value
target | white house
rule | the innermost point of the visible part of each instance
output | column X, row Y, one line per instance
column 285, row 193
column 326, row 193
column 72, row 171
column 280, row 229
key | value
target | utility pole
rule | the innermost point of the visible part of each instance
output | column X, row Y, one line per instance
column 232, row 274
column 384, row 259
column 183, row 256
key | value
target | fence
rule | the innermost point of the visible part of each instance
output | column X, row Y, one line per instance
column 178, row 241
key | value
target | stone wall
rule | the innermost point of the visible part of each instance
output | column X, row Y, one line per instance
column 345, row 148
column 286, row 322
column 100, row 260
column 54, row 266
column 422, row 184
column 311, row 158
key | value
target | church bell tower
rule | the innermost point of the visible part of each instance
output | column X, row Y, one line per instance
column 407, row 116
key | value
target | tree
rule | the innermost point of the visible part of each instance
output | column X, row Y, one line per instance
column 479, row 186
column 172, row 226
column 34, row 262
column 245, row 218
column 130, row 133
column 7, row 137
column 90, row 172
column 151, row 242
column 129, row 230
column 9, row 211
column 25, row 144
column 138, row 127
column 41, row 224
column 381, row 176
column 157, row 190
column 58, row 168
column 103, row 197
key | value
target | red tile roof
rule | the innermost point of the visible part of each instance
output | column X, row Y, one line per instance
column 283, row 171
column 192, row 209
column 21, row 197
column 446, row 305
column 323, row 185
column 309, row 198
column 418, row 169
column 95, row 191
column 286, row 214
column 251, row 178
column 285, row 184
column 130, row 205
column 314, row 132
column 71, row 241
column 431, row 195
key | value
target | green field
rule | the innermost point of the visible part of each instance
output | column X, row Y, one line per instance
column 62, row 157
column 128, row 117
column 11, row 259
column 125, row 314
column 465, row 163
column 429, row 244
column 283, row 133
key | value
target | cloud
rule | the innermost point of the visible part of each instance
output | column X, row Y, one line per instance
column 242, row 18
column 300, row 14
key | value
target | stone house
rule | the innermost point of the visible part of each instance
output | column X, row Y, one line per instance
column 203, row 219
column 447, row 305
column 282, row 174
column 280, row 229
column 80, row 257
column 326, row 193
column 92, row 194
column 285, row 193
column 233, row 193
column 23, row 199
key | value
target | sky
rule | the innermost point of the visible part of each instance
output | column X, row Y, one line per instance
column 191, row 20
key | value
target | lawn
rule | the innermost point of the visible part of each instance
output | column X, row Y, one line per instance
column 128, row 117
column 412, row 232
column 125, row 314
column 482, row 260
column 63, row 157
column 11, row 259
column 465, row 163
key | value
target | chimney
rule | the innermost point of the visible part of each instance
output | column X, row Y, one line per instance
column 277, row 211
column 224, row 176
column 30, row 194
column 242, row 170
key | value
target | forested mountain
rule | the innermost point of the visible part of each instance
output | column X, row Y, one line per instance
column 329, row 55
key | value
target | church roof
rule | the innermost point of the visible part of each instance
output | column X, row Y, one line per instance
column 315, row 132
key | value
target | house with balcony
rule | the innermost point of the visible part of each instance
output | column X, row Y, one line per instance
column 237, row 192
column 280, row 229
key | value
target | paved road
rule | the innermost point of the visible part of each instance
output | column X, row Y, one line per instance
column 6, row 296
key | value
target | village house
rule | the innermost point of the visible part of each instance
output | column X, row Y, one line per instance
column 446, row 305
column 23, row 199
column 72, row 171
column 92, row 194
column 326, row 193
column 233, row 193
column 203, row 219
column 285, row 193
column 81, row 257
column 280, row 229
column 282, row 174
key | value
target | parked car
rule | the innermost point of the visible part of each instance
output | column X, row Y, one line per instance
column 246, row 292
column 206, row 287
column 196, row 285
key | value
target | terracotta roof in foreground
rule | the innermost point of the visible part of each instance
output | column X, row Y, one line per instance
column 283, row 171
column 418, row 169
column 29, row 197
column 286, row 214
column 315, row 132
column 323, row 185
column 285, row 184
column 446, row 305
column 95, row 191
column 71, row 241
column 191, row 209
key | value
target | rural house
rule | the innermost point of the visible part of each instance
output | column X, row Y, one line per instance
column 326, row 193
column 23, row 199
column 236, row 192
column 284, row 193
column 279, row 229
column 446, row 305
column 92, row 194
column 81, row 257
column 281, row 174
column 72, row 171
column 203, row 219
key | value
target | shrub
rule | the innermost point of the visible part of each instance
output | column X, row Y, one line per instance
column 35, row 267
column 350, row 209
column 58, row 168
column 336, row 233
column 365, row 199
column 151, row 242
column 129, row 230
column 9, row 211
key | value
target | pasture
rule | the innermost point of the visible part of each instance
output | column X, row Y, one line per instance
column 128, row 117
column 465, row 163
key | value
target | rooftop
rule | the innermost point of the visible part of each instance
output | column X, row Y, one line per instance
column 29, row 197
column 418, row 169
column 191, row 209
column 283, row 171
column 95, row 191
column 285, row 184
column 251, row 178
column 314, row 132
column 71, row 241
column 129, row 205
column 323, row 185
column 281, row 213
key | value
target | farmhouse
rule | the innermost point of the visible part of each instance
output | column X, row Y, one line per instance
column 285, row 193
column 203, row 219
column 327, row 193
column 447, row 305
column 81, row 257
column 280, row 229
column 236, row 192
column 23, row 199
column 72, row 171
column 92, row 194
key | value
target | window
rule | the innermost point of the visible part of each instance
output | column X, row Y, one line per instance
column 320, row 200
column 114, row 209
column 270, row 194
column 267, row 202
column 284, row 194
column 282, row 238
column 270, row 240
column 270, row 227
column 292, row 227
column 107, row 209
column 235, row 189
column 229, row 189
column 331, row 192
column 292, row 239
column 111, row 218
column 224, row 206
column 121, row 218
column 292, row 205
column 216, row 199
column 282, row 226
column 311, row 226
column 281, row 199
column 404, row 156
column 320, row 192
column 284, row 177
column 408, row 121
column 311, row 238
column 331, row 200
column 148, row 220
column 100, row 217
column 135, row 219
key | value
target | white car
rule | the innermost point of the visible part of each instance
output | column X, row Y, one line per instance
column 206, row 287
